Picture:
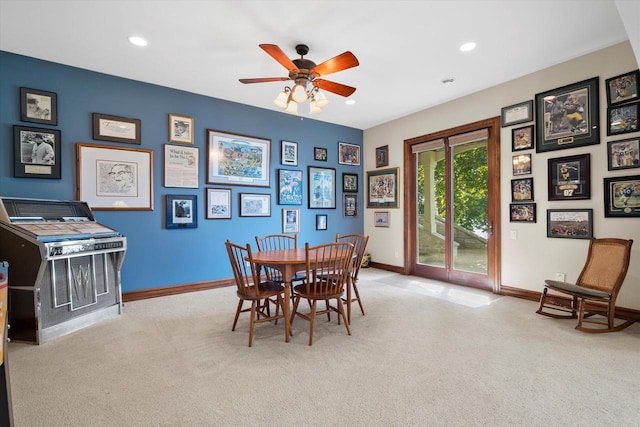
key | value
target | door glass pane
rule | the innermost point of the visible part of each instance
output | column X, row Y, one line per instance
column 430, row 204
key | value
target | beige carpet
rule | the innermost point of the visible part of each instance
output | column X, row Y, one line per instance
column 426, row 353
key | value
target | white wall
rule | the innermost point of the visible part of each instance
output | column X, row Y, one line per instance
column 533, row 257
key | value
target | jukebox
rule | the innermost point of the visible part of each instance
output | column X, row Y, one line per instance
column 64, row 266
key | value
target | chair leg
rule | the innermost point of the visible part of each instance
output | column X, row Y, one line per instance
column 344, row 316
column 252, row 321
column 355, row 291
column 235, row 321
column 312, row 321
column 543, row 297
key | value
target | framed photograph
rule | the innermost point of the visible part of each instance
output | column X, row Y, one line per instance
column 382, row 188
column 320, row 154
column 181, row 166
column 522, row 138
column 623, row 119
column 569, row 177
column 290, row 220
column 235, row 159
column 350, row 205
column 622, row 88
column 381, row 218
column 522, row 212
column 322, row 188
column 289, row 153
column 348, row 154
column 568, row 117
column 623, row 154
column 382, row 156
column 289, row 187
column 522, row 190
column 38, row 106
column 36, row 153
column 517, row 113
column 622, row 196
column 570, row 223
column 350, row 182
column 521, row 164
column 182, row 211
column 181, row 129
column 115, row 178
column 321, row 222
column 255, row 204
column 218, row 203
column 116, row 129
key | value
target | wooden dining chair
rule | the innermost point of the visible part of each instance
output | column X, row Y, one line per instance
column 250, row 288
column 598, row 285
column 272, row 242
column 360, row 245
column 327, row 269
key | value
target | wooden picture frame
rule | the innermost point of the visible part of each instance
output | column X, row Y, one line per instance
column 181, row 211
column 623, row 154
column 289, row 187
column 38, row 106
column 381, row 219
column 517, row 113
column 348, row 154
column 218, row 203
column 382, row 188
column 522, row 190
column 623, row 88
column 570, row 223
column 181, row 128
column 322, row 188
column 290, row 220
column 320, row 154
column 116, row 129
column 569, row 178
column 522, row 212
column 622, row 196
column 36, row 152
column 252, row 204
column 115, row 178
column 623, row 119
column 568, row 116
column 235, row 159
column 382, row 156
column 523, row 138
column 521, row 164
column 350, row 182
column 349, row 205
column 181, row 166
column 289, row 153
column 321, row 222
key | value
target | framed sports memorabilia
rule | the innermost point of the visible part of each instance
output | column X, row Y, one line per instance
column 569, row 177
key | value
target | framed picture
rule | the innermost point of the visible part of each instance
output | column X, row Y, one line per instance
column 36, row 153
column 622, row 88
column 569, row 178
column 382, row 156
column 350, row 182
column 623, row 119
column 235, row 159
column 255, row 204
column 182, row 211
column 115, row 178
column 522, row 212
column 181, row 165
column 320, row 154
column 321, row 222
column 568, row 117
column 218, row 203
column 348, row 154
column 116, row 129
column 289, row 153
column 521, row 164
column 622, row 196
column 570, row 223
column 290, row 220
column 517, row 113
column 381, row 218
column 181, row 129
column 382, row 188
column 350, row 205
column 623, row 154
column 522, row 138
column 289, row 187
column 322, row 188
column 522, row 190
column 38, row 106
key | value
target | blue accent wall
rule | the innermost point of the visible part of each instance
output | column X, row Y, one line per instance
column 156, row 256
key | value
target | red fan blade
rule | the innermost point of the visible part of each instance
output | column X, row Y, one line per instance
column 276, row 53
column 341, row 62
column 263, row 80
column 337, row 88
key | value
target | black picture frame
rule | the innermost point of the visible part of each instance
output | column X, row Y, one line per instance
column 321, row 222
column 522, row 190
column 521, row 164
column 569, row 178
column 348, row 154
column 350, row 182
column 45, row 162
column 522, row 212
column 289, row 187
column 517, row 113
column 254, row 205
column 382, row 156
column 116, row 129
column 568, row 116
column 622, row 196
column 623, row 154
column 623, row 88
column 181, row 211
column 623, row 119
column 289, row 153
column 320, row 154
column 382, row 188
column 523, row 138
column 38, row 106
column 322, row 188
column 349, row 205
column 218, row 203
column 570, row 223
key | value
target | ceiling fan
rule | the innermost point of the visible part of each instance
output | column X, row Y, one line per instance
column 304, row 71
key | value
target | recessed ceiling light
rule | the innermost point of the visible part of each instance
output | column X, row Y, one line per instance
column 467, row 47
column 350, row 101
column 138, row 41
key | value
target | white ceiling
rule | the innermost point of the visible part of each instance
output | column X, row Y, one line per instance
column 405, row 48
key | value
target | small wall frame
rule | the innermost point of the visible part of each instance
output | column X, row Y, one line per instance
column 181, row 211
